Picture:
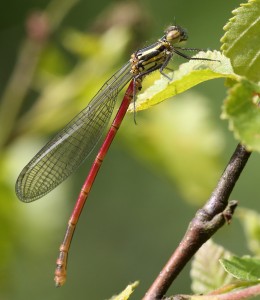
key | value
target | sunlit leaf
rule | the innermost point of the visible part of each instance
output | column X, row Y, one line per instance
column 241, row 40
column 188, row 75
column 126, row 293
column 243, row 268
column 207, row 273
column 242, row 110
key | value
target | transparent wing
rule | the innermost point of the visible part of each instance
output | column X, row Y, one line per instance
column 68, row 149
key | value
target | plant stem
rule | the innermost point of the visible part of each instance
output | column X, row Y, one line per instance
column 206, row 222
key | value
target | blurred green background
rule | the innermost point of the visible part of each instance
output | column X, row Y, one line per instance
column 157, row 173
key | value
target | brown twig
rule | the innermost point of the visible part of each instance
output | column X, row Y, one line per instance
column 206, row 222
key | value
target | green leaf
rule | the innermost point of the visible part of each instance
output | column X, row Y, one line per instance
column 242, row 268
column 243, row 112
column 250, row 221
column 188, row 75
column 126, row 293
column 241, row 40
column 207, row 273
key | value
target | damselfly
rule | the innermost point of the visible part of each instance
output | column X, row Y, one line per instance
column 69, row 148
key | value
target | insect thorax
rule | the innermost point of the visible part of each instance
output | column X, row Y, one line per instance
column 150, row 58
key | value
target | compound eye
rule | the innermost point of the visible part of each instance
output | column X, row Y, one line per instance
column 175, row 34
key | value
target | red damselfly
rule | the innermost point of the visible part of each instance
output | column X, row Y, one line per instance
column 69, row 148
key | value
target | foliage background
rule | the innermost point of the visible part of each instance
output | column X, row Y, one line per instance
column 137, row 211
